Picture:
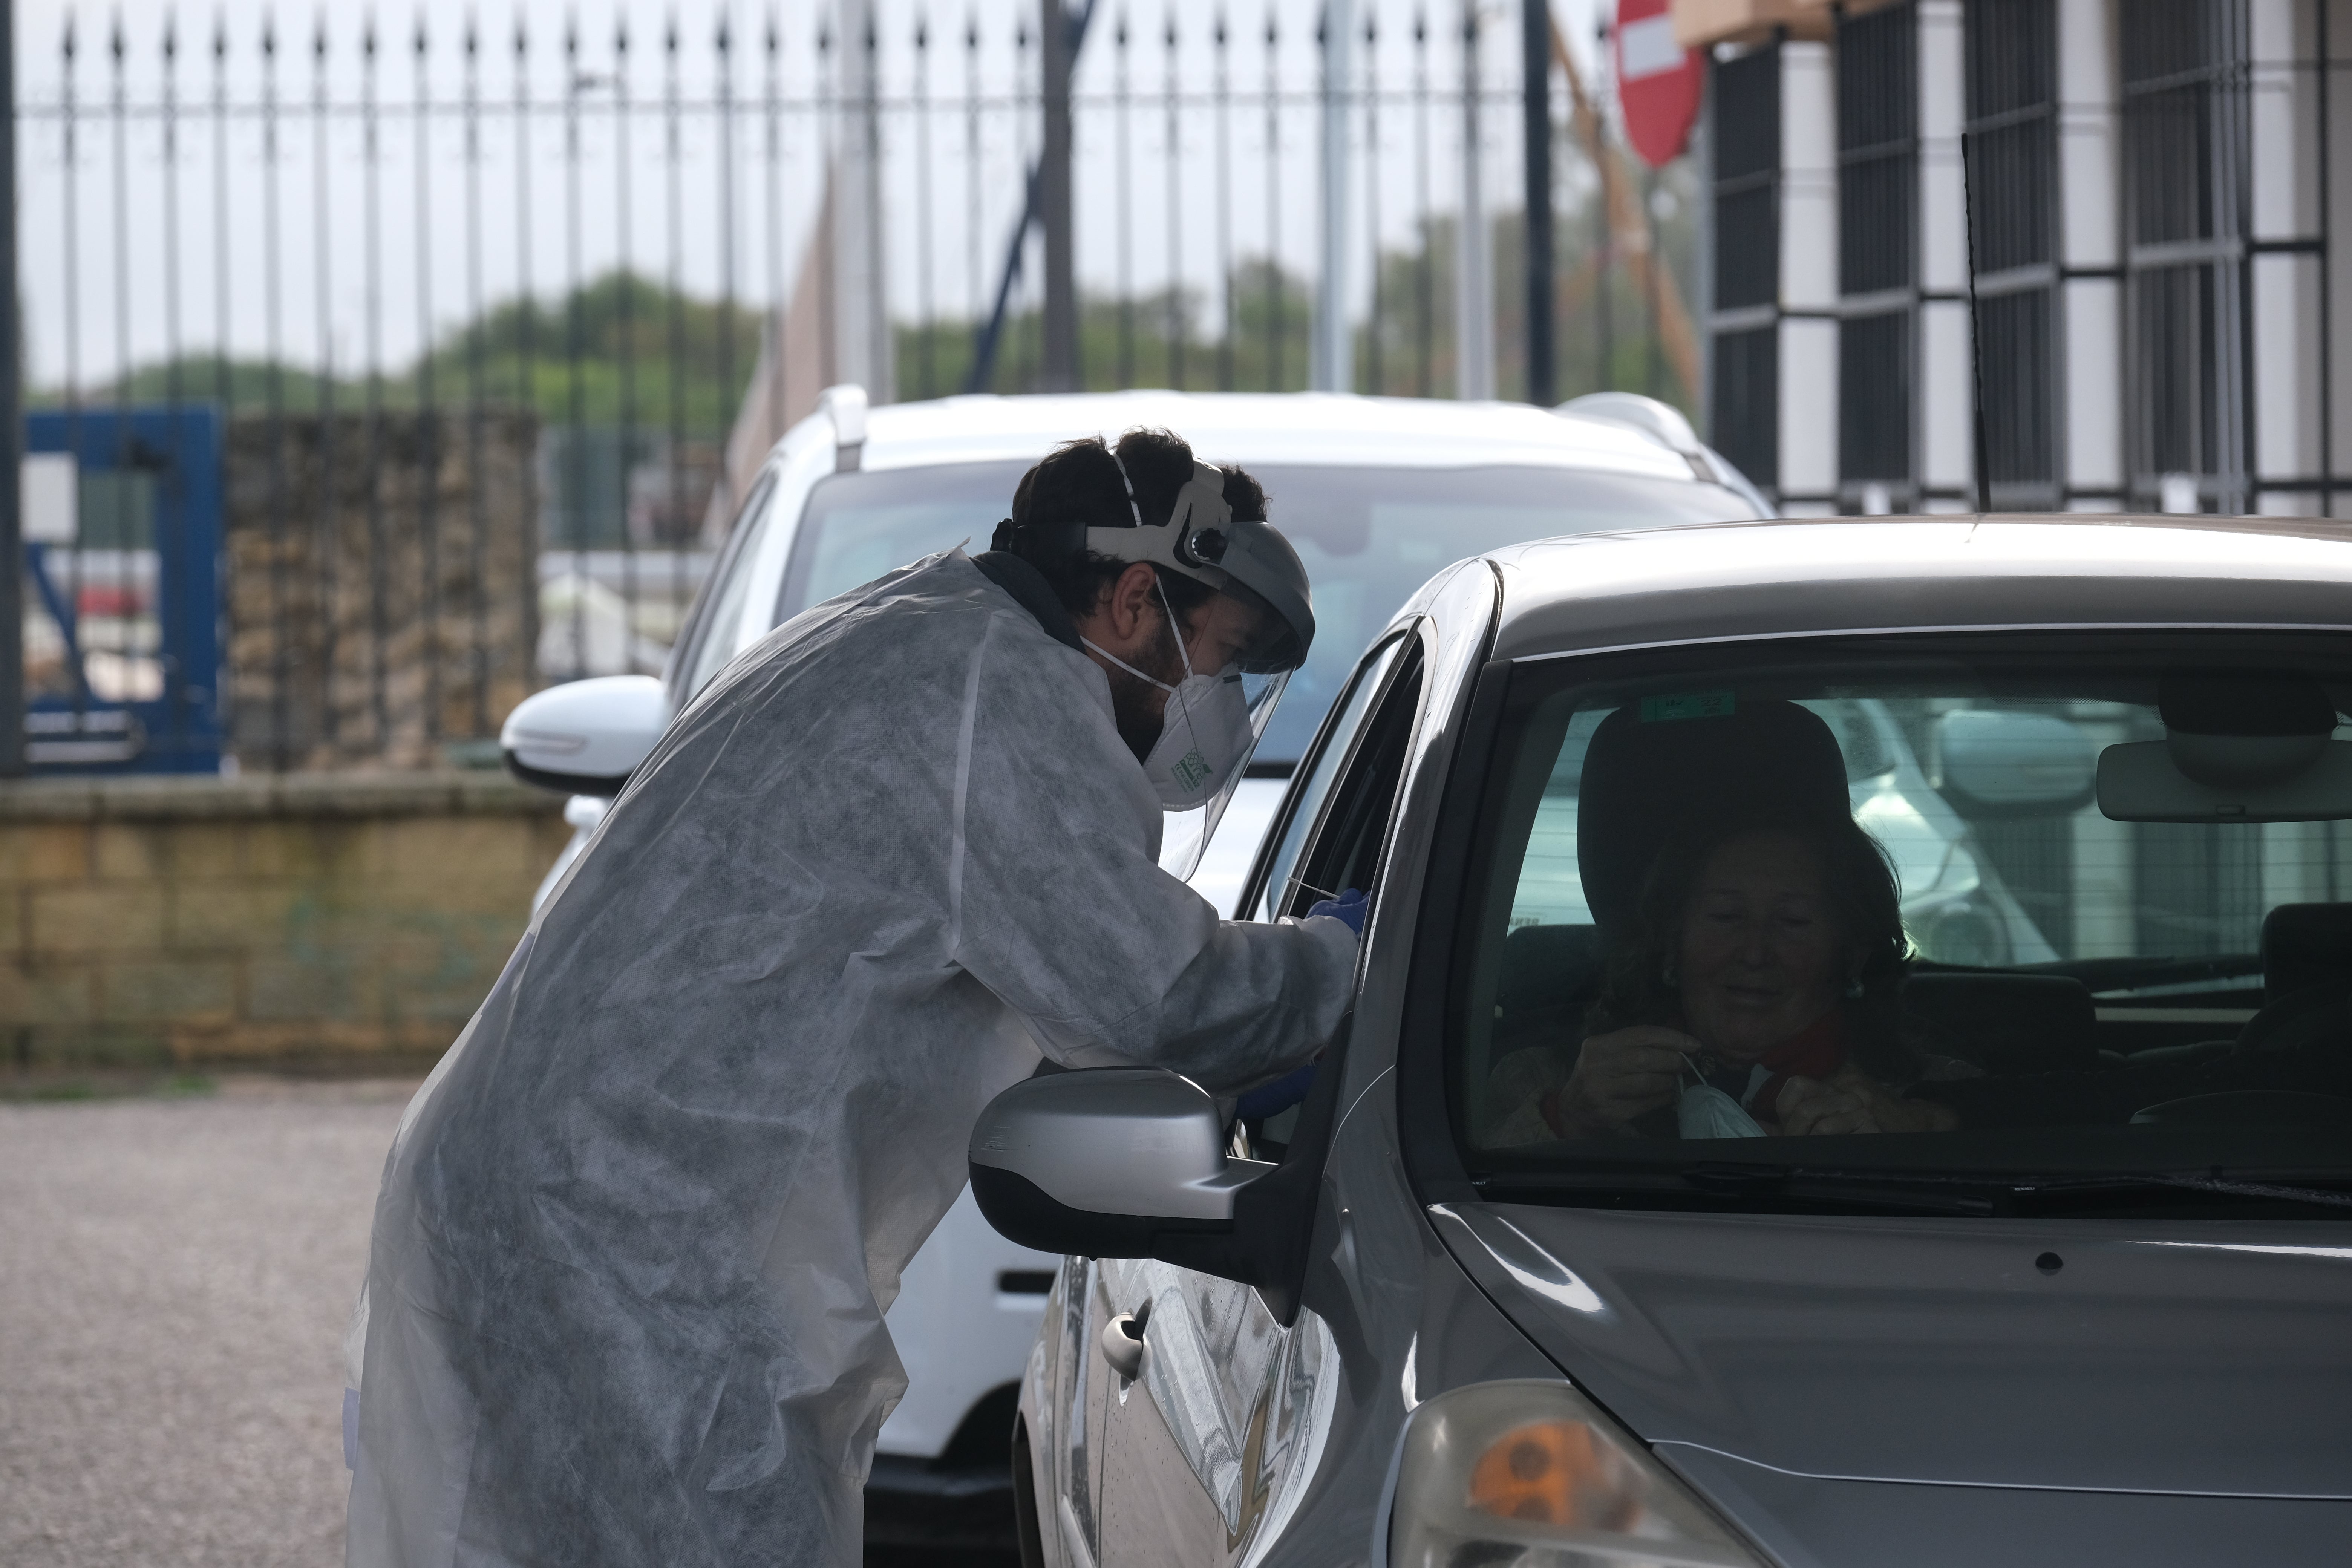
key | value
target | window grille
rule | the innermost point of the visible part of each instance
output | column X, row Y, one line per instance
column 1878, row 227
column 1746, row 400
column 1878, row 150
column 1875, row 375
column 1744, row 150
column 2186, row 136
column 2013, row 153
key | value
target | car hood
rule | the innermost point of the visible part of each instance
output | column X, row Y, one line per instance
column 2195, row 1357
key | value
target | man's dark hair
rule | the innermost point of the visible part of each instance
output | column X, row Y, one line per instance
column 1077, row 482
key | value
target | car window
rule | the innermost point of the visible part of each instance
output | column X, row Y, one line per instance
column 2078, row 901
column 858, row 526
column 709, row 641
column 1307, row 796
column 1344, row 847
column 1369, row 538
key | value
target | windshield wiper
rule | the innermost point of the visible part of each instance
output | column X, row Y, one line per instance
column 2006, row 1191
column 1989, row 1194
column 2224, row 1187
column 1729, row 1185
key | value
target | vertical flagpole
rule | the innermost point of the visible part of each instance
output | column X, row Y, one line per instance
column 1535, row 55
column 12, row 432
column 1334, row 368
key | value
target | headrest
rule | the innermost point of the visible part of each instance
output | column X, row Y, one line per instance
column 2008, row 1023
column 1547, row 966
column 2305, row 945
column 1653, row 770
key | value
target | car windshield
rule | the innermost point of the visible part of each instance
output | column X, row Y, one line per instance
column 1369, row 537
column 2058, row 908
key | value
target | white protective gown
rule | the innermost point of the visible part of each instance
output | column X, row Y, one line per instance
column 638, row 1230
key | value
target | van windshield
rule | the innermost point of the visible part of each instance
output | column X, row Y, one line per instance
column 2073, row 906
column 1369, row 537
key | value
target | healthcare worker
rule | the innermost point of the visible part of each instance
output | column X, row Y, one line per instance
column 638, row 1230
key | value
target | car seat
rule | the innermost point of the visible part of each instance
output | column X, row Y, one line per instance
column 1550, row 974
column 2306, row 979
column 2305, row 945
column 2005, row 1022
column 1649, row 774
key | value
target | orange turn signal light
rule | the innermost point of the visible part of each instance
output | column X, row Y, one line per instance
column 1560, row 1473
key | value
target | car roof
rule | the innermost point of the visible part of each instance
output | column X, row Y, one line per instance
column 1331, row 429
column 1796, row 577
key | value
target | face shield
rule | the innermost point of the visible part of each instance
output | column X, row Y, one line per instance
column 1215, row 717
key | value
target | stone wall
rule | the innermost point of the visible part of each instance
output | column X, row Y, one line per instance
column 382, row 585
column 331, row 919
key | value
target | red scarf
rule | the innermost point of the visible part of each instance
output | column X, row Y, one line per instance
column 1815, row 1051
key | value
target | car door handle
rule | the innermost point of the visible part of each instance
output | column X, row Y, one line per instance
column 1122, row 1346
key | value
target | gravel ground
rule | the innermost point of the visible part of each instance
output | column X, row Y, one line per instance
column 174, row 1278
column 175, row 1275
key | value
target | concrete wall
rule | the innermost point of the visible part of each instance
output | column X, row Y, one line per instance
column 348, row 919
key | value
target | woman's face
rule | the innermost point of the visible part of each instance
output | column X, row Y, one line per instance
column 1761, row 955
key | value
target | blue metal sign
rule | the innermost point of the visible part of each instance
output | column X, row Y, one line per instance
column 122, row 664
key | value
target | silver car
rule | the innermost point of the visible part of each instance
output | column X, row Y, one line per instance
column 2090, row 1308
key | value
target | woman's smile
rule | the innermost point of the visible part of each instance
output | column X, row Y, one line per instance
column 1762, row 955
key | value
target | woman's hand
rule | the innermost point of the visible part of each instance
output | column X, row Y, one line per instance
column 1849, row 1100
column 1622, row 1075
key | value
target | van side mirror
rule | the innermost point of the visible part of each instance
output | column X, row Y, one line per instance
column 585, row 737
column 1131, row 1162
column 1992, row 763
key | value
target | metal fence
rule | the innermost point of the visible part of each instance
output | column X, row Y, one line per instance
column 482, row 300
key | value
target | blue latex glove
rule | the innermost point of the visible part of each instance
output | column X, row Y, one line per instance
column 1272, row 1099
column 1348, row 906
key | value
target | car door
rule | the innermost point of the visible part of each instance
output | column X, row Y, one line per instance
column 1204, row 1453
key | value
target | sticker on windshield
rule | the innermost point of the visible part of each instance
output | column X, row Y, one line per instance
column 1687, row 705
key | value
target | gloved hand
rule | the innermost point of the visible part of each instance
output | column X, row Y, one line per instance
column 1350, row 906
column 1272, row 1099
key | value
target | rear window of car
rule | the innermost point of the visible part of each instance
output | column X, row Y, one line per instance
column 2074, row 902
column 1368, row 536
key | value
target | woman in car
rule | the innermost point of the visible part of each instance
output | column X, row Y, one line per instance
column 1762, row 962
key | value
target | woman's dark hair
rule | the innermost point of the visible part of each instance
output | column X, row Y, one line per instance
column 1077, row 482
column 1855, row 872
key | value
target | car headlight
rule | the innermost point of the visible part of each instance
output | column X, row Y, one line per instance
column 1532, row 1475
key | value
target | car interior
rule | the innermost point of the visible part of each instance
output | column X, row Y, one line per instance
column 2149, row 941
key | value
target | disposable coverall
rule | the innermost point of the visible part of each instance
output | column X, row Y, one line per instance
column 637, row 1231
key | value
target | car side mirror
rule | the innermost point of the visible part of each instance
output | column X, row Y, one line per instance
column 585, row 737
column 1131, row 1162
column 1106, row 1163
column 1992, row 764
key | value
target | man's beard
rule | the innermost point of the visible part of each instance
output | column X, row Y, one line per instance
column 1139, row 722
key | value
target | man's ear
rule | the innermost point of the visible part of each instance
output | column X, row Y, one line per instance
column 1134, row 602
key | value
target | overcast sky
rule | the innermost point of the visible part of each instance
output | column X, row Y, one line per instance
column 102, row 278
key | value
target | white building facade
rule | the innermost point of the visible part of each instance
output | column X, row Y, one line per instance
column 2158, row 192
